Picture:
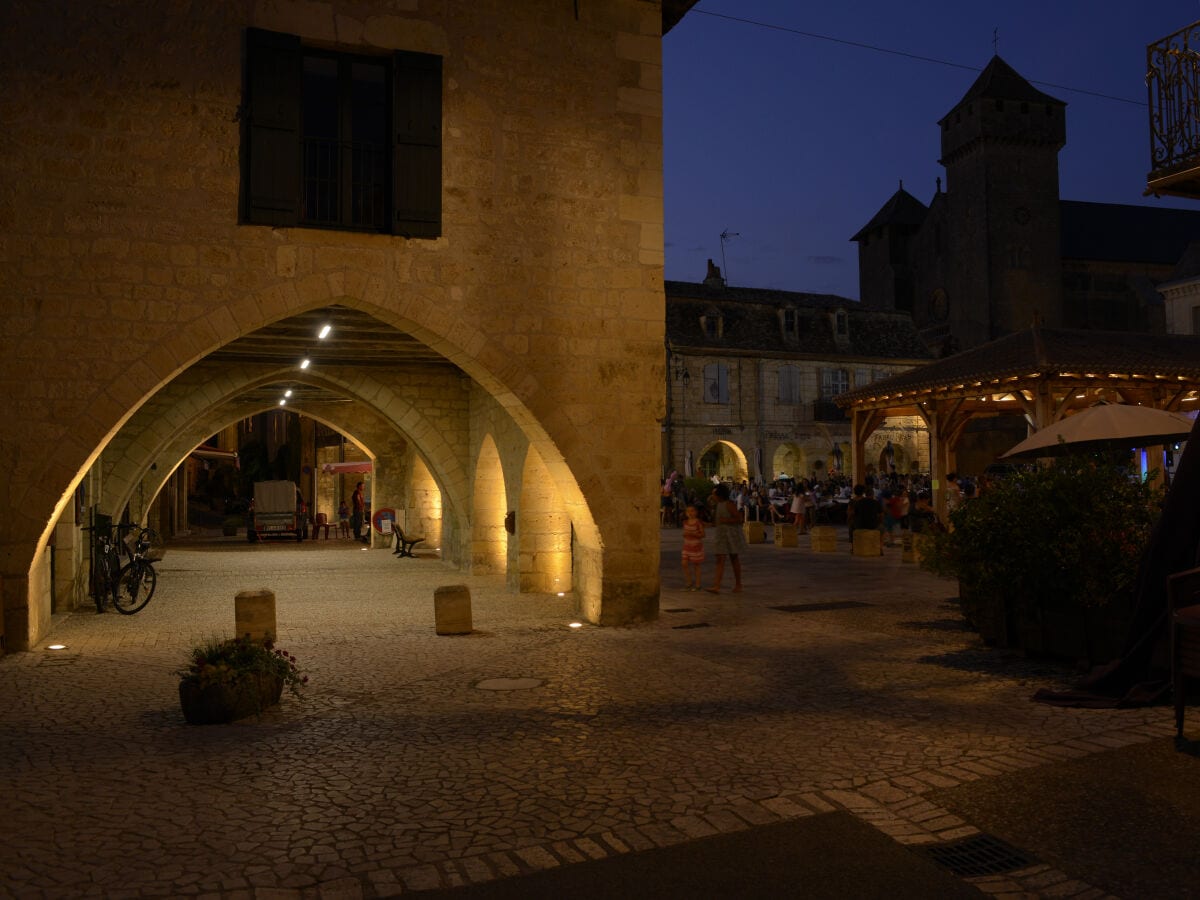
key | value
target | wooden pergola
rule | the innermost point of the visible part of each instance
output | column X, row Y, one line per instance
column 1041, row 374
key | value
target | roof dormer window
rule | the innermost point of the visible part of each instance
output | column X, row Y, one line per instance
column 712, row 323
column 789, row 323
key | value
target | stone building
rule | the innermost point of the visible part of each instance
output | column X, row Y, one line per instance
column 998, row 248
column 752, row 376
column 471, row 193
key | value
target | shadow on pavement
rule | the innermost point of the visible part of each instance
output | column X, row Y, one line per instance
column 1126, row 820
column 819, row 858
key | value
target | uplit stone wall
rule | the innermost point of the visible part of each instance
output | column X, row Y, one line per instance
column 124, row 263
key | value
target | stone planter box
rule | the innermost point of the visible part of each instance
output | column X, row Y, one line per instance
column 214, row 704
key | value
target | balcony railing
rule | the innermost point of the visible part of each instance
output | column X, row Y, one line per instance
column 828, row 411
column 1173, row 83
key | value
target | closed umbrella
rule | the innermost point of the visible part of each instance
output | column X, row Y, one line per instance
column 1101, row 427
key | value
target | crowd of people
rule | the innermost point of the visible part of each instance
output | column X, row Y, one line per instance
column 890, row 503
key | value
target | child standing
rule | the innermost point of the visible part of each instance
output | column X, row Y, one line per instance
column 693, row 548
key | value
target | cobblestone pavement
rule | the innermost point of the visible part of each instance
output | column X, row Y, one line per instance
column 399, row 771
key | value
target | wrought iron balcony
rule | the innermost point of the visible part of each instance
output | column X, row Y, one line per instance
column 1173, row 83
column 828, row 411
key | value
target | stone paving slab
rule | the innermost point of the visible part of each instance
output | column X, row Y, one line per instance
column 396, row 774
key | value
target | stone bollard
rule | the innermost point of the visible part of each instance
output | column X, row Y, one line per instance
column 866, row 542
column 452, row 609
column 754, row 532
column 785, row 535
column 254, row 615
column 823, row 538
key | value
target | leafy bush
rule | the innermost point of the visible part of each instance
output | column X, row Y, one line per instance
column 1068, row 535
column 225, row 661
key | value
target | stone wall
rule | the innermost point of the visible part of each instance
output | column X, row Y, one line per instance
column 125, row 263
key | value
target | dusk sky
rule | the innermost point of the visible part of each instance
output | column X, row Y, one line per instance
column 794, row 142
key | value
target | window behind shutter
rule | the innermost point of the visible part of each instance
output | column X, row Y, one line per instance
column 271, row 136
column 417, row 124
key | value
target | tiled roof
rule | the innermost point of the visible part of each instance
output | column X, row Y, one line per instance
column 1037, row 350
column 901, row 209
column 751, row 324
column 1000, row 81
column 1114, row 231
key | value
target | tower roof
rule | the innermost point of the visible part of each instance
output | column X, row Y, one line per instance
column 1000, row 81
column 901, row 209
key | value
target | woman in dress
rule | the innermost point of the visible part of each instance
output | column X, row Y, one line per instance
column 729, row 538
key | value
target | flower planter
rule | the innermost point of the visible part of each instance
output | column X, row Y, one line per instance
column 213, row 704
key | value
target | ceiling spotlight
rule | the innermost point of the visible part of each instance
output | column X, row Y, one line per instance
column 288, row 392
column 324, row 332
column 305, row 363
column 283, row 402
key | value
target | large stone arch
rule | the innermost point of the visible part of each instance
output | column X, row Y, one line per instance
column 198, row 414
column 504, row 377
column 731, row 461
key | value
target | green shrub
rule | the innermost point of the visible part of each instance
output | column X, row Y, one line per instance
column 1068, row 535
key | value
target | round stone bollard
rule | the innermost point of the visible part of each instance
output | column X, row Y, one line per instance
column 452, row 609
column 254, row 615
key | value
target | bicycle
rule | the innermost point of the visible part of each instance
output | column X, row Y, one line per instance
column 137, row 579
column 106, row 567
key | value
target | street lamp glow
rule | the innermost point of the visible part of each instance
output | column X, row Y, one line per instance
column 305, row 363
column 282, row 402
column 324, row 333
column 288, row 392
column 575, row 625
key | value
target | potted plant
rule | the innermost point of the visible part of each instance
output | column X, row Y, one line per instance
column 228, row 679
column 1046, row 558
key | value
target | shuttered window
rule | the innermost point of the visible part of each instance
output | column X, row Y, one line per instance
column 336, row 140
column 716, row 383
column 789, row 385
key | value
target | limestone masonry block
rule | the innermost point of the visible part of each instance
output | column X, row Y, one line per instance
column 452, row 609
column 785, row 535
column 254, row 614
column 823, row 539
column 866, row 542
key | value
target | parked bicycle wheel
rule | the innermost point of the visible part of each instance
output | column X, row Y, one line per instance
column 135, row 587
column 106, row 576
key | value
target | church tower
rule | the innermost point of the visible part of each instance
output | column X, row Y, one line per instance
column 1002, row 261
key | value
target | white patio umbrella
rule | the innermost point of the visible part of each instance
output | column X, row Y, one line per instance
column 1100, row 427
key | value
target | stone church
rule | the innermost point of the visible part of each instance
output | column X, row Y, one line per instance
column 997, row 248
column 469, row 193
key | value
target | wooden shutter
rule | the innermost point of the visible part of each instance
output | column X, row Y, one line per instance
column 417, row 151
column 271, row 132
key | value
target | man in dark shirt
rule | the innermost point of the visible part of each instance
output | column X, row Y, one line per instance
column 867, row 510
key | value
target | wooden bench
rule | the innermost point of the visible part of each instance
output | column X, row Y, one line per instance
column 404, row 544
column 1183, row 593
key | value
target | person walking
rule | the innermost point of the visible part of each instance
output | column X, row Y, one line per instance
column 729, row 540
column 358, row 506
column 693, row 548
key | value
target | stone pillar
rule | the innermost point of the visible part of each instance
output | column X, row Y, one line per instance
column 254, row 615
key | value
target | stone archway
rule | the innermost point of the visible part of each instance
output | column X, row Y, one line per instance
column 724, row 459
column 788, row 459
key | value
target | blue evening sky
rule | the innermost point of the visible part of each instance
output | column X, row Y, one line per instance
column 794, row 142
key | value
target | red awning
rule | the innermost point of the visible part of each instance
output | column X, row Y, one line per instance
column 358, row 467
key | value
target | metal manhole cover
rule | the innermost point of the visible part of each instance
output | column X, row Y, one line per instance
column 691, row 625
column 980, row 854
column 820, row 607
column 508, row 684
